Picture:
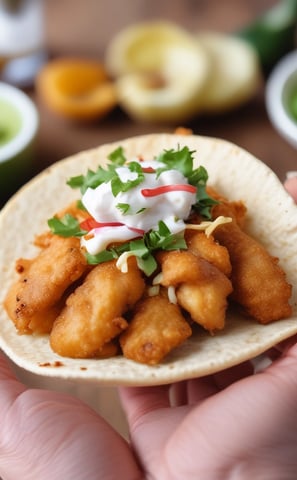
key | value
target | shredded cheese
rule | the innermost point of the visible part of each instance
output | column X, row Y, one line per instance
column 209, row 227
column 154, row 290
column 122, row 261
column 158, row 279
column 171, row 294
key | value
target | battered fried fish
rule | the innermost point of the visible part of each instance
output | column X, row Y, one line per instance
column 259, row 284
column 206, row 299
column 156, row 328
column 202, row 289
column 93, row 314
column 209, row 249
column 33, row 301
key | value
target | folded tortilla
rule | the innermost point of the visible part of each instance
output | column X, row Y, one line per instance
column 272, row 219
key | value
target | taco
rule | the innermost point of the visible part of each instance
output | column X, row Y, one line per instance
column 241, row 334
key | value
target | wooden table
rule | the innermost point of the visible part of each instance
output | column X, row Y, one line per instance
column 84, row 28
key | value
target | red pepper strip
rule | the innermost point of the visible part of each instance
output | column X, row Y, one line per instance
column 91, row 223
column 137, row 230
column 152, row 192
column 148, row 170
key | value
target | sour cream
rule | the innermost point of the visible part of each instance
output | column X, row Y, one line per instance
column 167, row 197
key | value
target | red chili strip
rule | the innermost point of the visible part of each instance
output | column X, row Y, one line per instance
column 152, row 192
column 148, row 170
column 137, row 230
column 91, row 223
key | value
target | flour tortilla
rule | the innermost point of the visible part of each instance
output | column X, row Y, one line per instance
column 272, row 219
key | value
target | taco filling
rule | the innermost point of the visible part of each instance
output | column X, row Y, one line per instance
column 146, row 254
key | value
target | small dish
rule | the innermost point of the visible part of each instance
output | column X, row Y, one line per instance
column 280, row 89
column 18, row 129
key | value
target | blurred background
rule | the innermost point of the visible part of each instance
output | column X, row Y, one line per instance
column 85, row 30
column 72, row 28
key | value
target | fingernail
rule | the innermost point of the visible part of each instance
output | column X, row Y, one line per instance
column 291, row 174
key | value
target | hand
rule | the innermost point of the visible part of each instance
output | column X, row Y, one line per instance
column 46, row 435
column 232, row 425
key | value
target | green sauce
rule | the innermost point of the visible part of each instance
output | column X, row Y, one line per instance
column 10, row 122
column 292, row 103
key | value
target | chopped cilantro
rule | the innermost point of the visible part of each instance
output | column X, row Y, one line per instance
column 182, row 160
column 67, row 226
column 160, row 238
column 94, row 179
column 117, row 157
column 117, row 185
column 123, row 207
column 141, row 210
column 91, row 179
column 143, row 248
column 101, row 257
column 164, row 239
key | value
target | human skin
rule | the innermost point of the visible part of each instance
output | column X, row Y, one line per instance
column 51, row 435
column 229, row 426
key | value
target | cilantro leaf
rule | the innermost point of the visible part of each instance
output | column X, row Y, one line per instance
column 164, row 239
column 117, row 185
column 101, row 257
column 145, row 260
column 199, row 176
column 147, row 264
column 67, row 226
column 181, row 159
column 123, row 207
column 93, row 179
column 117, row 157
column 204, row 202
column 143, row 248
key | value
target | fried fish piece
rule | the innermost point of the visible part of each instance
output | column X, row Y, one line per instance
column 202, row 289
column 259, row 283
column 206, row 299
column 179, row 266
column 156, row 328
column 109, row 349
column 31, row 301
column 229, row 208
column 93, row 314
column 209, row 249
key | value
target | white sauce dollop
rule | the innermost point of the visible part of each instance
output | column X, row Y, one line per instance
column 144, row 212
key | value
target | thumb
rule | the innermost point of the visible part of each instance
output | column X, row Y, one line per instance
column 47, row 434
column 139, row 401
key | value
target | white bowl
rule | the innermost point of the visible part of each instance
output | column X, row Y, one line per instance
column 279, row 87
column 16, row 155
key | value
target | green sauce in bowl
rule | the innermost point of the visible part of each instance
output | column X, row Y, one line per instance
column 292, row 103
column 10, row 122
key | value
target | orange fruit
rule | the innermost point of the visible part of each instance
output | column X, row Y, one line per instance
column 78, row 89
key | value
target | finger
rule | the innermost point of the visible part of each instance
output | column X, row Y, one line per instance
column 10, row 386
column 291, row 184
column 201, row 388
column 139, row 401
column 285, row 366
